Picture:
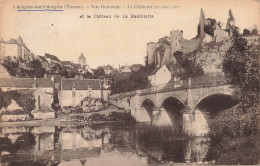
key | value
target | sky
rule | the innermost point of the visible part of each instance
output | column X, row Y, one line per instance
column 112, row 40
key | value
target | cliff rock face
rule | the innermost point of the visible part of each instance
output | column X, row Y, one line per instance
column 210, row 56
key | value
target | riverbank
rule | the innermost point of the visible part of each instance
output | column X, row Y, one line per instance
column 97, row 117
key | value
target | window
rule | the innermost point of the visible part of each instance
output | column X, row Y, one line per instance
column 73, row 93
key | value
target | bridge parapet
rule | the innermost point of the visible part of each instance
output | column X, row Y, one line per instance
column 196, row 82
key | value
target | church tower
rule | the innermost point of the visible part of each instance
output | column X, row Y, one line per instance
column 82, row 60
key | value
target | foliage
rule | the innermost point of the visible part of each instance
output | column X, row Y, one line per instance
column 234, row 131
column 137, row 80
column 68, row 74
column 55, row 68
column 38, row 70
column 191, row 69
column 241, row 68
column 88, row 75
column 14, row 69
column 99, row 72
column 246, row 32
column 24, row 100
column 10, row 65
column 254, row 32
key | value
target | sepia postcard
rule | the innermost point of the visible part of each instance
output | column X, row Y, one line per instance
column 129, row 82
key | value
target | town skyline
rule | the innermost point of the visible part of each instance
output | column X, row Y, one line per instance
column 124, row 42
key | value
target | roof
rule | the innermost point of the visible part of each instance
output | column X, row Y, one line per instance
column 66, row 63
column 51, row 57
column 108, row 67
column 155, row 70
column 82, row 56
column 26, row 91
column 20, row 41
column 43, row 59
column 80, row 84
column 122, row 76
column 25, row 82
column 76, row 66
column 136, row 66
column 11, row 41
column 57, row 78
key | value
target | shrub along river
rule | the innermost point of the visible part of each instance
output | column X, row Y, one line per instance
column 109, row 144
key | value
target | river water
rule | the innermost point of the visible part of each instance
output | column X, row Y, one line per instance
column 111, row 144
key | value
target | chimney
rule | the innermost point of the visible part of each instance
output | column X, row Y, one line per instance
column 34, row 78
column 45, row 75
column 52, row 78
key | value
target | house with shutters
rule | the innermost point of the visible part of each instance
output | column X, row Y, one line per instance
column 73, row 91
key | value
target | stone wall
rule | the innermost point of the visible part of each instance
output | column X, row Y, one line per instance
column 151, row 52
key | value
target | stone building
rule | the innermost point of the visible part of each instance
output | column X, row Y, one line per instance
column 14, row 48
column 220, row 34
column 8, row 84
column 176, row 41
column 73, row 91
column 160, row 76
column 82, row 60
column 151, row 47
column 43, row 102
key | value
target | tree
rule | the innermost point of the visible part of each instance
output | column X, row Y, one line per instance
column 99, row 72
column 254, row 32
column 39, row 71
column 11, row 66
column 234, row 131
column 246, row 32
column 137, row 80
column 88, row 75
column 241, row 68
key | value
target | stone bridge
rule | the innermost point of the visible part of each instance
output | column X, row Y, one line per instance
column 184, row 104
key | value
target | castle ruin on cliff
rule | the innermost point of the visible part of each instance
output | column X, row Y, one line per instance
column 209, row 30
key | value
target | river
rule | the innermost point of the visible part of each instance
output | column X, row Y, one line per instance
column 110, row 144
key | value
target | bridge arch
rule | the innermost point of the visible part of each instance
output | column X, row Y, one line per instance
column 208, row 106
column 173, row 106
column 224, row 91
column 146, row 98
column 149, row 106
column 163, row 97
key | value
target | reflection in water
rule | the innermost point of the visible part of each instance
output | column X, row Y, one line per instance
column 101, row 145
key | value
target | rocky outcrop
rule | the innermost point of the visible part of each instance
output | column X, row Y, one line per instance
column 210, row 56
